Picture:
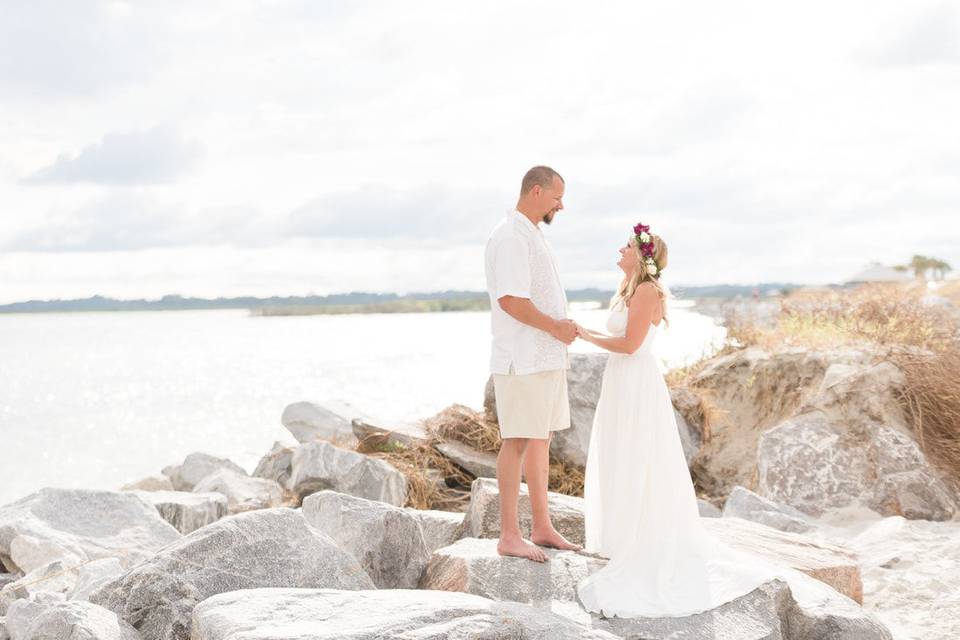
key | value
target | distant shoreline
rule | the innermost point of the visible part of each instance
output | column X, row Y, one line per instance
column 358, row 302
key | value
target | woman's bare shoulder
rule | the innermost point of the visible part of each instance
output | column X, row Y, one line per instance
column 645, row 294
column 645, row 291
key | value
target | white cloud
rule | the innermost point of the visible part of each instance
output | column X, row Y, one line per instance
column 159, row 154
column 753, row 136
column 50, row 49
column 932, row 36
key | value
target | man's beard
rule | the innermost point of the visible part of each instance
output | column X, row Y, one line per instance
column 548, row 218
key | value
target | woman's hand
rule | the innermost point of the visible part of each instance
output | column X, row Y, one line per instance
column 583, row 333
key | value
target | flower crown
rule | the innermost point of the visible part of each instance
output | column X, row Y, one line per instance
column 645, row 242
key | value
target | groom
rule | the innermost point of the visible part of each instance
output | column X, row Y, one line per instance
column 529, row 358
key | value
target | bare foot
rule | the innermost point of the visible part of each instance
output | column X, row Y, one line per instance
column 554, row 540
column 520, row 548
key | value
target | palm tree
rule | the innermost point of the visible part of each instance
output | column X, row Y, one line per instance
column 920, row 265
column 940, row 268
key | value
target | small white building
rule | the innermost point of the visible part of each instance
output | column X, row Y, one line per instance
column 876, row 272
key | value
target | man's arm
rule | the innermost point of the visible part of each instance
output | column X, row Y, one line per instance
column 522, row 310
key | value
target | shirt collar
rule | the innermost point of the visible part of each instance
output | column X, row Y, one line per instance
column 516, row 212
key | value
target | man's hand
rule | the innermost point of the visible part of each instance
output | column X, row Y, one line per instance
column 582, row 333
column 565, row 331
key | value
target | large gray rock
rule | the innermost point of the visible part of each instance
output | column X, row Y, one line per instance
column 94, row 524
column 480, row 464
column 319, row 465
column 309, row 422
column 243, row 492
column 405, row 434
column 483, row 515
column 22, row 612
column 158, row 482
column 195, row 468
column 29, row 553
column 186, row 510
column 440, row 528
column 270, row 547
column 52, row 578
column 746, row 393
column 326, row 614
column 831, row 564
column 687, row 407
column 861, row 392
column 70, row 621
column 472, row 565
column 743, row 503
column 386, row 540
column 770, row 611
column 583, row 387
column 707, row 509
column 276, row 464
column 94, row 575
column 815, row 464
column 911, row 573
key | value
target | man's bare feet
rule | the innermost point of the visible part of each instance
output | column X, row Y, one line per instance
column 554, row 540
column 520, row 548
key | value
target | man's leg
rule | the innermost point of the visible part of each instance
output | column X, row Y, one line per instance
column 509, row 463
column 536, row 470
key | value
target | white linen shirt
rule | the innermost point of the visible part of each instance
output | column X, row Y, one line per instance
column 521, row 263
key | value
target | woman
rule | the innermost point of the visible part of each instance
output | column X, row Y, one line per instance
column 641, row 509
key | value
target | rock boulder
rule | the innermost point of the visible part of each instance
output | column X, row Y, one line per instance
column 243, row 493
column 319, row 465
column 187, row 510
column 388, row 541
column 309, row 422
column 483, row 515
column 265, row 548
column 85, row 523
column 387, row 613
column 196, row 467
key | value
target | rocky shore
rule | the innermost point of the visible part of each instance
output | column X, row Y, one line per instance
column 806, row 458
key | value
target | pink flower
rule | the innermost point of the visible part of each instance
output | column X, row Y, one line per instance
column 641, row 228
column 646, row 249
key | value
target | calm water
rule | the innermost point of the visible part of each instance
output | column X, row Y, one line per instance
column 98, row 399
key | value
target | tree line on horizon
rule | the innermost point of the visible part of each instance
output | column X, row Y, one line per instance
column 922, row 265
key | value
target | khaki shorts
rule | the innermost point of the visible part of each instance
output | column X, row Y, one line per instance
column 532, row 405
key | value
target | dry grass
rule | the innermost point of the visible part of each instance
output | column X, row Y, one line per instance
column 435, row 481
column 880, row 315
column 951, row 291
column 922, row 340
column 931, row 398
column 457, row 422
column 465, row 425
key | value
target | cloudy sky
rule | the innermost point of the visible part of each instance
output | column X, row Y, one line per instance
column 283, row 147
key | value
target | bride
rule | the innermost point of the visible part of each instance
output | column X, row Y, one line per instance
column 641, row 509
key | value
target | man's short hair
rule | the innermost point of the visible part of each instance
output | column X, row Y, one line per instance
column 539, row 175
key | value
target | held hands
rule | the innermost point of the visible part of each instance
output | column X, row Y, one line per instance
column 583, row 333
column 565, row 331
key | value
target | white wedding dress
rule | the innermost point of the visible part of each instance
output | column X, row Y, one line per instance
column 641, row 509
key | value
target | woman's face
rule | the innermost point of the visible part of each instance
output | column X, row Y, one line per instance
column 629, row 258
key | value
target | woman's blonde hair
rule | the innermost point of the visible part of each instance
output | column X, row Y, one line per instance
column 642, row 274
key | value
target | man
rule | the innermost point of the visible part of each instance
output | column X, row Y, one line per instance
column 529, row 361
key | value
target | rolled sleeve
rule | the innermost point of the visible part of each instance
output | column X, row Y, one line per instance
column 512, row 268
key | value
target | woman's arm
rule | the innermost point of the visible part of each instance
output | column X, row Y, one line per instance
column 639, row 315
